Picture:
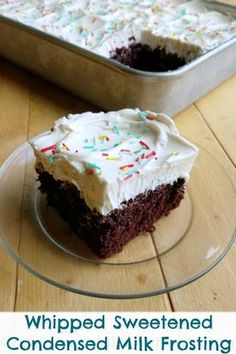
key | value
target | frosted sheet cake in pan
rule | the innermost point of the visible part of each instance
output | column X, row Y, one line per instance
column 186, row 29
column 74, row 42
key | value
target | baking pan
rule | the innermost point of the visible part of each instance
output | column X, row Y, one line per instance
column 111, row 85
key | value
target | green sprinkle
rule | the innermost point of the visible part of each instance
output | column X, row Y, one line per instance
column 93, row 165
column 116, row 130
column 116, row 145
column 51, row 159
column 88, row 147
column 182, row 12
column 86, row 141
column 137, row 151
column 85, row 34
column 142, row 115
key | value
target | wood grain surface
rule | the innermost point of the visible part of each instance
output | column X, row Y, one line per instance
column 29, row 105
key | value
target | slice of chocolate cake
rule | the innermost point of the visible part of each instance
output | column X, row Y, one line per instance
column 113, row 175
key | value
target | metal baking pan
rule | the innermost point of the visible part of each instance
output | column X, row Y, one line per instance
column 111, row 85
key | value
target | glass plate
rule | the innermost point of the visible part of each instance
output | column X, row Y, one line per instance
column 186, row 244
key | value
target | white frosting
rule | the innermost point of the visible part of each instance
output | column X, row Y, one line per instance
column 112, row 157
column 188, row 23
column 102, row 25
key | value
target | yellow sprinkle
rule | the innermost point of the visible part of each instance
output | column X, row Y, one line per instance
column 175, row 153
column 199, row 32
column 156, row 8
column 112, row 158
column 102, row 137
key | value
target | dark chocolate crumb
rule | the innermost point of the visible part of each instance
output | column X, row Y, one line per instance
column 142, row 57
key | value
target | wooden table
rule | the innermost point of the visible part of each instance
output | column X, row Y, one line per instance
column 29, row 105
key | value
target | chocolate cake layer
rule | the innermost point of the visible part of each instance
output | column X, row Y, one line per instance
column 142, row 57
column 107, row 235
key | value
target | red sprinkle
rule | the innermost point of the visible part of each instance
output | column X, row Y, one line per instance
column 138, row 172
column 107, row 139
column 128, row 177
column 153, row 153
column 142, row 156
column 144, row 144
column 76, row 151
column 66, row 147
column 151, row 117
column 137, row 159
column 127, row 166
column 89, row 172
column 48, row 148
column 104, row 154
column 125, row 150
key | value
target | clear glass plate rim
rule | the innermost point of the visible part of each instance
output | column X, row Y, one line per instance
column 58, row 284
column 165, row 290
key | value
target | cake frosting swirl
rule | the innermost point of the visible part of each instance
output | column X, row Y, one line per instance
column 112, row 157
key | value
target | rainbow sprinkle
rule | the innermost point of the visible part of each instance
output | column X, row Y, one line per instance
column 48, row 148
column 138, row 151
column 93, row 166
column 89, row 172
column 125, row 167
column 142, row 143
column 88, row 147
column 153, row 153
column 51, row 159
column 116, row 130
column 66, row 147
column 112, row 158
column 104, row 137
column 128, row 177
column 174, row 153
column 151, row 117
column 142, row 115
